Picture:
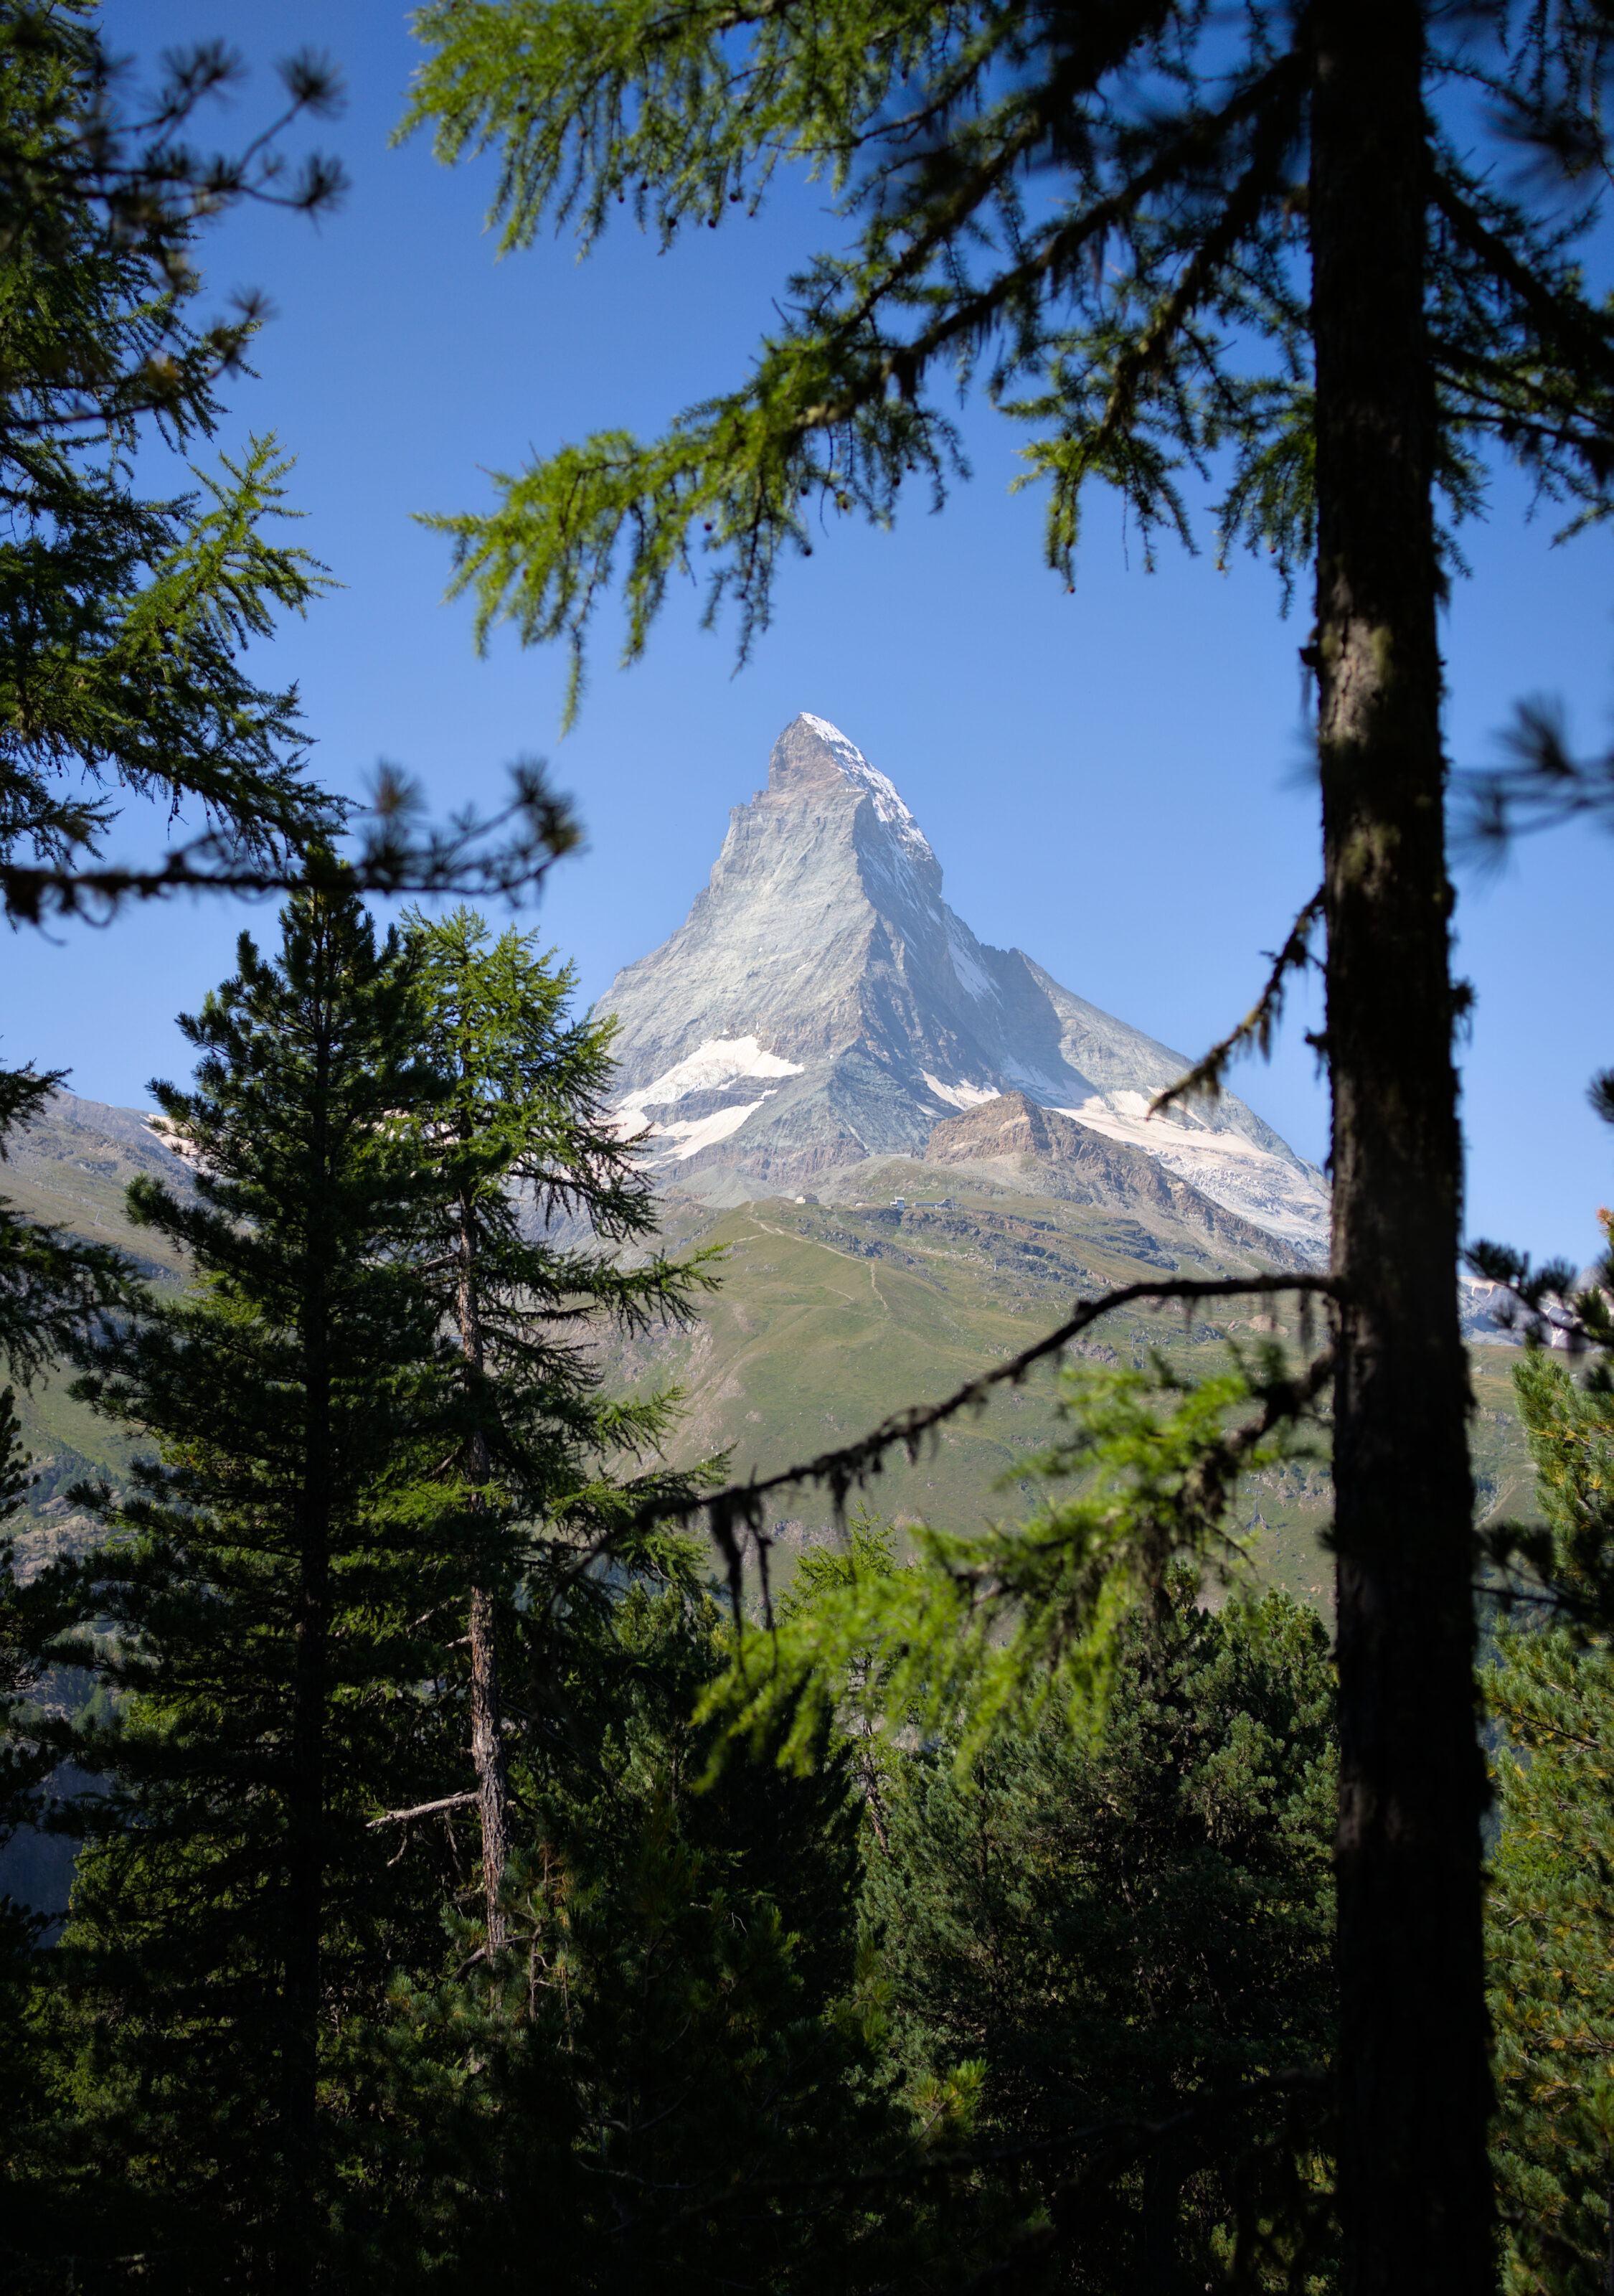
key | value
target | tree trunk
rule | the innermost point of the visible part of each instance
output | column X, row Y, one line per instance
column 1160, row 2271
column 305, row 1788
column 486, row 1714
column 305, row 1894
column 488, row 1753
column 1414, row 2083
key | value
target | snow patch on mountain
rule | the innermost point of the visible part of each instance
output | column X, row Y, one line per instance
column 967, row 968
column 690, row 1136
column 1035, row 1081
column 961, row 1095
column 720, row 1060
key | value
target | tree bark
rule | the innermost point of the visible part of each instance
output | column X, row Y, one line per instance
column 488, row 1754
column 486, row 1713
column 1414, row 2083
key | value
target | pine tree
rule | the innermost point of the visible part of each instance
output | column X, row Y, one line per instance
column 1107, row 216
column 273, row 1597
column 538, row 1194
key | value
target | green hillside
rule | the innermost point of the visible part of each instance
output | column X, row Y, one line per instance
column 70, row 1169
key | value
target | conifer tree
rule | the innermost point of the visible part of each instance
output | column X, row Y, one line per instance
column 537, row 1194
column 1158, row 234
column 1114, row 1927
column 678, row 2076
column 1551, row 1910
column 1551, row 1921
column 271, row 1600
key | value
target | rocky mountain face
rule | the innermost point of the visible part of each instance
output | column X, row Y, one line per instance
column 1079, row 1165
column 822, row 1004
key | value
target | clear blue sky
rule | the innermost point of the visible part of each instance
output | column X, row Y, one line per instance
column 1112, row 781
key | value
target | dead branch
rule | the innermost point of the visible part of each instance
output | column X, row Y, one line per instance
column 421, row 1809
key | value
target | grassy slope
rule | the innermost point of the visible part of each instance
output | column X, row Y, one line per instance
column 67, row 1177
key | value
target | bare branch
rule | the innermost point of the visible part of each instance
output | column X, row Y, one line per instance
column 421, row 1809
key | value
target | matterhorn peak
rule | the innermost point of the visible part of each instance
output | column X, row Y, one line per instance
column 822, row 1004
column 812, row 758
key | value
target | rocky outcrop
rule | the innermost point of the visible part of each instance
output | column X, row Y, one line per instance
column 821, row 1003
column 1085, row 1167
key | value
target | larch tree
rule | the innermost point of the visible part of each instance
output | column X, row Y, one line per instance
column 538, row 1196
column 1167, row 238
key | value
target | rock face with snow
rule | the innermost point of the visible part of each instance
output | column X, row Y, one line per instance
column 1075, row 1162
column 822, row 1004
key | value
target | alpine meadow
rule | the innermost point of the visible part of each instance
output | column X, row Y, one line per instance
column 768, row 1603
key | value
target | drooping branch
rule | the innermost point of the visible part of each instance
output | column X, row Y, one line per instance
column 740, row 1505
column 844, row 1468
column 1583, row 334
column 1254, row 1032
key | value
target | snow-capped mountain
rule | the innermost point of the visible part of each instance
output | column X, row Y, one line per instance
column 822, row 1004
